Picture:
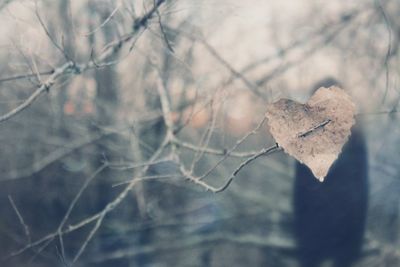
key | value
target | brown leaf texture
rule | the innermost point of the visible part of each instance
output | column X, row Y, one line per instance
column 313, row 133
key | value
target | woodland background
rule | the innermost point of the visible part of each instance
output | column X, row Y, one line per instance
column 112, row 111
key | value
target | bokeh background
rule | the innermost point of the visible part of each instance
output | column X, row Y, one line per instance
column 86, row 175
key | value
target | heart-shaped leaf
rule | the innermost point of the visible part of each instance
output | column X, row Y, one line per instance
column 313, row 133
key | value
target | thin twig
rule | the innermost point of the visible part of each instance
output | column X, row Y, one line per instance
column 212, row 151
column 71, row 67
column 42, row 89
column 198, row 181
column 73, row 203
column 56, row 45
column 163, row 30
column 314, row 128
column 389, row 47
column 205, row 139
column 21, row 219
column 262, row 152
column 239, row 142
column 252, row 86
column 96, row 217
column 103, row 23
column 52, row 157
column 150, row 177
column 118, row 166
column 24, row 76
column 113, row 204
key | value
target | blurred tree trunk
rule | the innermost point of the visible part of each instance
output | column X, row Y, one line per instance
column 106, row 110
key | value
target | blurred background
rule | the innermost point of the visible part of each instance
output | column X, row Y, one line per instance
column 144, row 105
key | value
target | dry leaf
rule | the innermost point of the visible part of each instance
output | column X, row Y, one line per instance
column 313, row 133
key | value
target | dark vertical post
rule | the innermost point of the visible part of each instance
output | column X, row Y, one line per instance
column 329, row 217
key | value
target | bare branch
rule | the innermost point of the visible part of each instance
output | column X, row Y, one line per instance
column 212, row 151
column 71, row 67
column 113, row 204
column 150, row 177
column 21, row 219
column 54, row 42
column 238, row 143
column 263, row 152
column 167, row 42
column 389, row 47
column 42, row 89
column 24, row 76
column 314, row 128
column 205, row 139
column 104, row 22
column 53, row 157
column 253, row 87
column 270, row 241
column 142, row 22
column 73, row 203
column 98, row 217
